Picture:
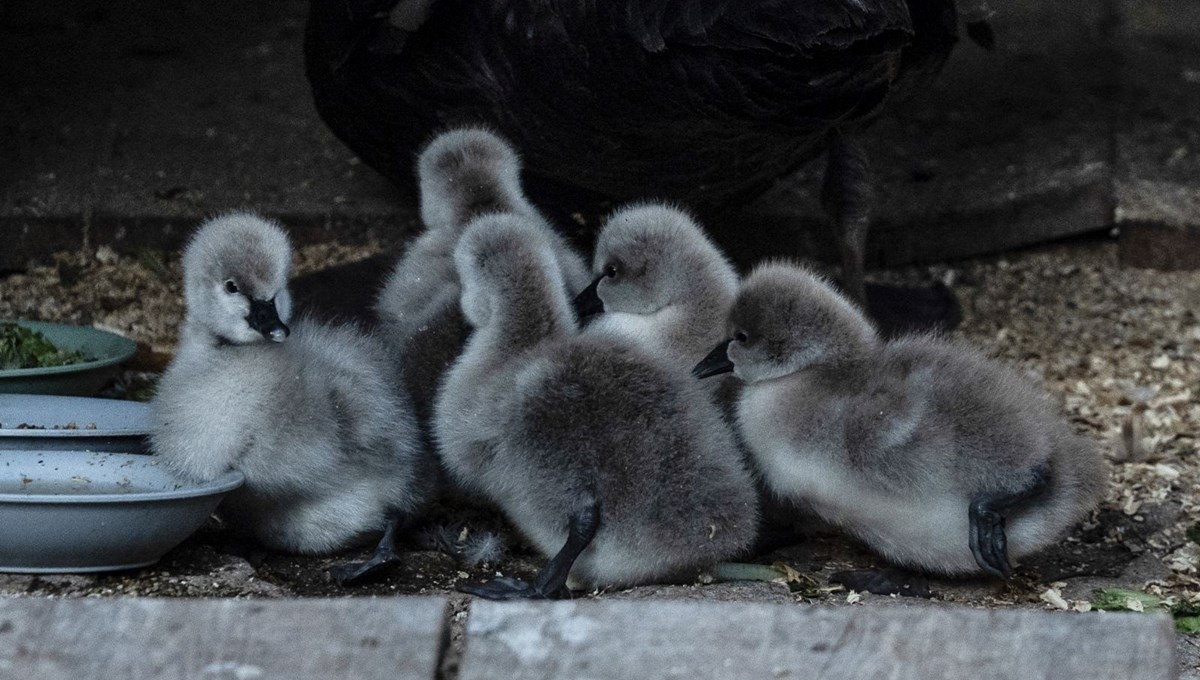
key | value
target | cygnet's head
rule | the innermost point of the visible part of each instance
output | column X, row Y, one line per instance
column 465, row 173
column 649, row 257
column 786, row 319
column 508, row 262
column 235, row 279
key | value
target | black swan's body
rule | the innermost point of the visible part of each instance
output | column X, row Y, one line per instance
column 704, row 102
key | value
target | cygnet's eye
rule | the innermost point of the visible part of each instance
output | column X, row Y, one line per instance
column 231, row 287
column 741, row 336
column 610, row 270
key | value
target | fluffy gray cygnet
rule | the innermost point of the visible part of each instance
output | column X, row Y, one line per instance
column 935, row 456
column 603, row 456
column 313, row 416
column 660, row 282
column 462, row 173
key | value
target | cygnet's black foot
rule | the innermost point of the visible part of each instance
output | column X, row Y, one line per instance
column 384, row 555
column 989, row 543
column 360, row 572
column 897, row 310
column 504, row 588
column 988, row 540
column 551, row 582
column 887, row 581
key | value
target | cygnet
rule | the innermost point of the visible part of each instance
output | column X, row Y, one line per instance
column 462, row 173
column 314, row 416
column 936, row 457
column 660, row 282
column 602, row 455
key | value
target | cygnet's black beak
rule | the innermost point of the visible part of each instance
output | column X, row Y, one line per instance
column 264, row 318
column 588, row 302
column 716, row 363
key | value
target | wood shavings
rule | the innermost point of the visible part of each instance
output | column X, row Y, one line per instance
column 139, row 295
column 1096, row 340
column 1054, row 598
column 1186, row 559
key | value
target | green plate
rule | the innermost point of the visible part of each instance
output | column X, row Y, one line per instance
column 85, row 378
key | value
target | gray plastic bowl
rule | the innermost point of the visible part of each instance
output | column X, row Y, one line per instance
column 73, row 511
column 120, row 426
column 85, row 378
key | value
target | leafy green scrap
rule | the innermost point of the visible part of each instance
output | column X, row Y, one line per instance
column 22, row 347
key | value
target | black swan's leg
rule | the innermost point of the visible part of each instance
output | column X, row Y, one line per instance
column 384, row 555
column 847, row 195
column 988, row 539
column 551, row 581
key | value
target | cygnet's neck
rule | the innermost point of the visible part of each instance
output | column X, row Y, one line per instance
column 195, row 336
column 699, row 314
column 530, row 310
column 851, row 364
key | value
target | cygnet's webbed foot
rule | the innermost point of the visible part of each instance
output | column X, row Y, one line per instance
column 384, row 556
column 887, row 581
column 551, row 581
column 988, row 538
column 504, row 588
column 360, row 572
column 897, row 310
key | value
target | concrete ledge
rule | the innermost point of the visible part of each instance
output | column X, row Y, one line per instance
column 1156, row 146
column 221, row 639
column 619, row 640
column 400, row 638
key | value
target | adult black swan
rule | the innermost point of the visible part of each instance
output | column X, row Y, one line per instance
column 704, row 102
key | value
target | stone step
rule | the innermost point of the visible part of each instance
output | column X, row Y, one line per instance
column 406, row 637
column 615, row 640
column 82, row 639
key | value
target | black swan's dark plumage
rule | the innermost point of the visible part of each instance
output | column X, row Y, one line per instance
column 703, row 101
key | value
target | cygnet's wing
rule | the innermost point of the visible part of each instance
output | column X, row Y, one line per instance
column 886, row 423
column 422, row 282
column 352, row 371
column 983, row 423
column 203, row 409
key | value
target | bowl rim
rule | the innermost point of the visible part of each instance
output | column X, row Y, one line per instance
column 228, row 481
column 79, row 433
column 129, row 347
column 60, row 433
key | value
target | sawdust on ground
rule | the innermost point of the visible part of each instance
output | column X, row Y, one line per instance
column 1116, row 346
